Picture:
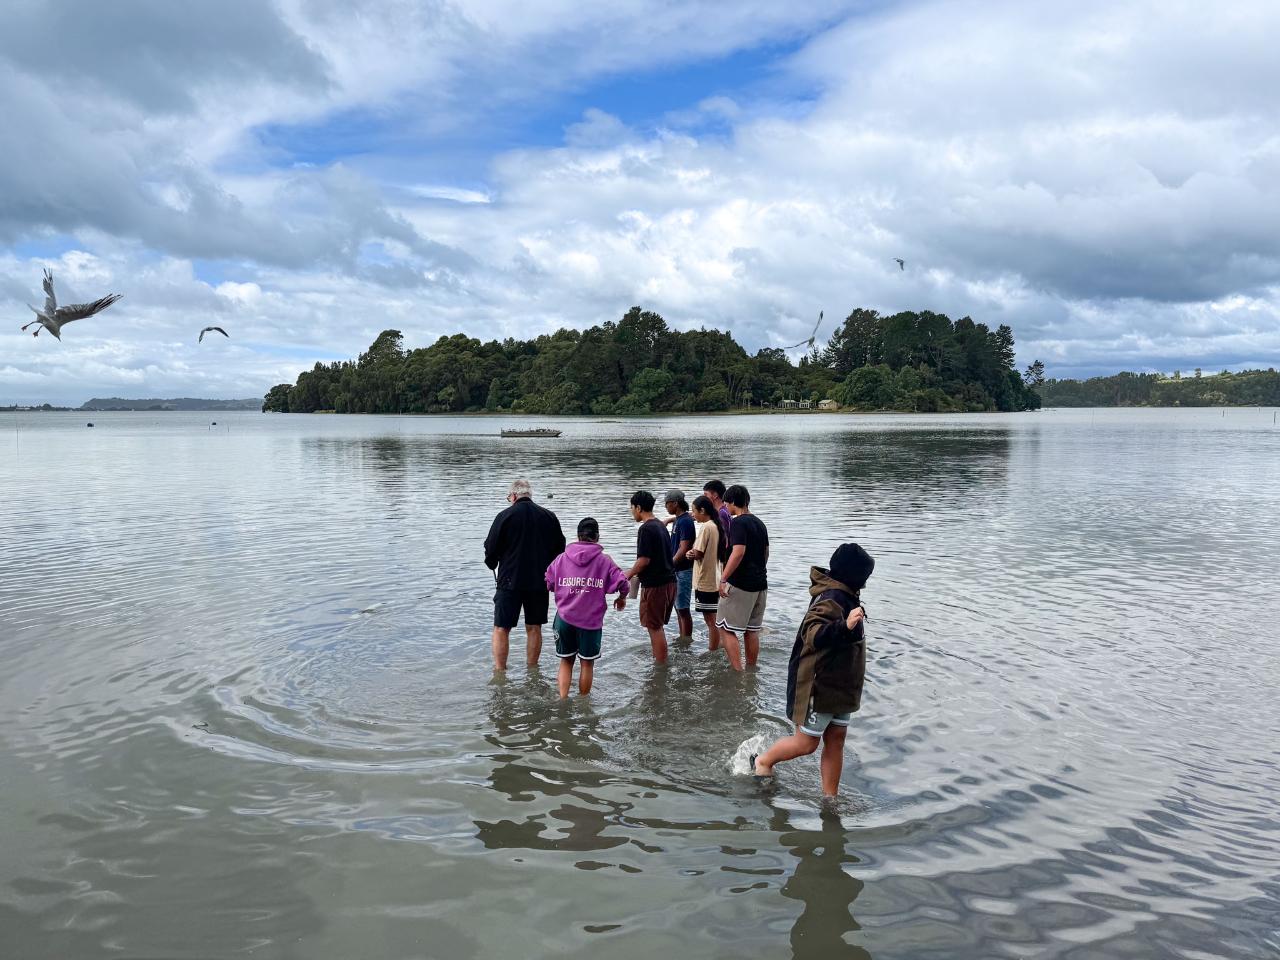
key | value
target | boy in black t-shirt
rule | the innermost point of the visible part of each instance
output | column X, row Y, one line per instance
column 744, row 584
column 653, row 567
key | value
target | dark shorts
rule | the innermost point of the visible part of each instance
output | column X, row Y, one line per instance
column 706, row 601
column 574, row 641
column 656, row 604
column 507, row 605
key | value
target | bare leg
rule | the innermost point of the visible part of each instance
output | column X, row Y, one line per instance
column 832, row 758
column 713, row 632
column 564, row 675
column 732, row 649
column 658, row 640
column 685, row 619
column 586, row 673
column 788, row 748
column 533, row 645
column 752, row 641
column 501, row 644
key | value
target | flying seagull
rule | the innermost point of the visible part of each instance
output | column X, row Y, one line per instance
column 208, row 329
column 901, row 263
column 812, row 336
column 54, row 317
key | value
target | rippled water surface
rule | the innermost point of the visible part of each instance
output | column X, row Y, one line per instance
column 247, row 707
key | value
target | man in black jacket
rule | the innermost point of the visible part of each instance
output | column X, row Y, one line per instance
column 522, row 542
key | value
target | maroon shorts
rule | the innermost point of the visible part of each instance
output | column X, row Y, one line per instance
column 656, row 604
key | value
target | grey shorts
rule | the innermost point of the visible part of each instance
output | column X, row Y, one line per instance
column 816, row 723
column 742, row 610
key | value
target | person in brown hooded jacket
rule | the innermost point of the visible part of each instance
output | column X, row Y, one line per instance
column 827, row 668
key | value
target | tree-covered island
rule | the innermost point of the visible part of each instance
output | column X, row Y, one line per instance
column 907, row 361
column 1247, row 388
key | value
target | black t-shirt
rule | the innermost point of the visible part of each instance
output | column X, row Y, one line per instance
column 653, row 541
column 747, row 531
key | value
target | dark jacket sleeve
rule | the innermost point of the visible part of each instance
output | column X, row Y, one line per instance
column 833, row 633
column 493, row 542
column 557, row 535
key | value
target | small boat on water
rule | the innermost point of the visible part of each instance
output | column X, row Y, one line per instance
column 542, row 432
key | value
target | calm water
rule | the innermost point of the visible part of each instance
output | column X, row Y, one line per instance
column 247, row 709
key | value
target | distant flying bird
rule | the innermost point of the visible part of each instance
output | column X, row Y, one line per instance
column 208, row 329
column 53, row 317
column 812, row 336
column 901, row 264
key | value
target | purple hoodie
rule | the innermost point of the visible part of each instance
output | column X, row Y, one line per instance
column 580, row 577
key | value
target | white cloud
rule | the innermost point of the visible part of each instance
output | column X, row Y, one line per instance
column 1106, row 181
column 446, row 192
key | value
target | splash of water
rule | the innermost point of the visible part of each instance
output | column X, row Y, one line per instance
column 739, row 763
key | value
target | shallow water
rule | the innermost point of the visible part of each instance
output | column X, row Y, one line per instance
column 247, row 707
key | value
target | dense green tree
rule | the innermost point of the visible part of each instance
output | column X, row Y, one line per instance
column 277, row 399
column 1247, row 388
column 636, row 365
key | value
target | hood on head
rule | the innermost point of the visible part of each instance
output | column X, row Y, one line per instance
column 852, row 565
column 821, row 580
column 582, row 552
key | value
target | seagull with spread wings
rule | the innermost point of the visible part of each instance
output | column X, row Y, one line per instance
column 813, row 336
column 211, row 330
column 53, row 317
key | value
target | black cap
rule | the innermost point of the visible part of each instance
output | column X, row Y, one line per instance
column 588, row 529
column 851, row 565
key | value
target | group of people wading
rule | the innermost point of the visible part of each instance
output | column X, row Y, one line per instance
column 712, row 560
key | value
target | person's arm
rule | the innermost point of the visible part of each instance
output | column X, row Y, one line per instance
column 493, row 543
column 735, row 558
column 682, row 548
column 617, row 583
column 839, row 630
column 644, row 547
column 698, row 551
column 702, row 545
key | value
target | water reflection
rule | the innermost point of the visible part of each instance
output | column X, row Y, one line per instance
column 1040, row 766
column 530, row 724
column 823, row 885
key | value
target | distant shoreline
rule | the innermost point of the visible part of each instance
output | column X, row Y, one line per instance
column 849, row 412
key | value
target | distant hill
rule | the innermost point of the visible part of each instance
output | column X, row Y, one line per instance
column 1246, row 388
column 181, row 403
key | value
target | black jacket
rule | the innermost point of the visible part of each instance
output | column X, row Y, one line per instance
column 828, row 661
column 522, row 542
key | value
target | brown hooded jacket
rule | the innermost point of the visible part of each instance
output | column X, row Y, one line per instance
column 828, row 661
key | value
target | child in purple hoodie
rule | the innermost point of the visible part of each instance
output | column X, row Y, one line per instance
column 580, row 578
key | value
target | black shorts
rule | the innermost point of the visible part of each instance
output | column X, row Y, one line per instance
column 508, row 603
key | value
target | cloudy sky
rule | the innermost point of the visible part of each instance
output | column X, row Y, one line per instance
column 1104, row 177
